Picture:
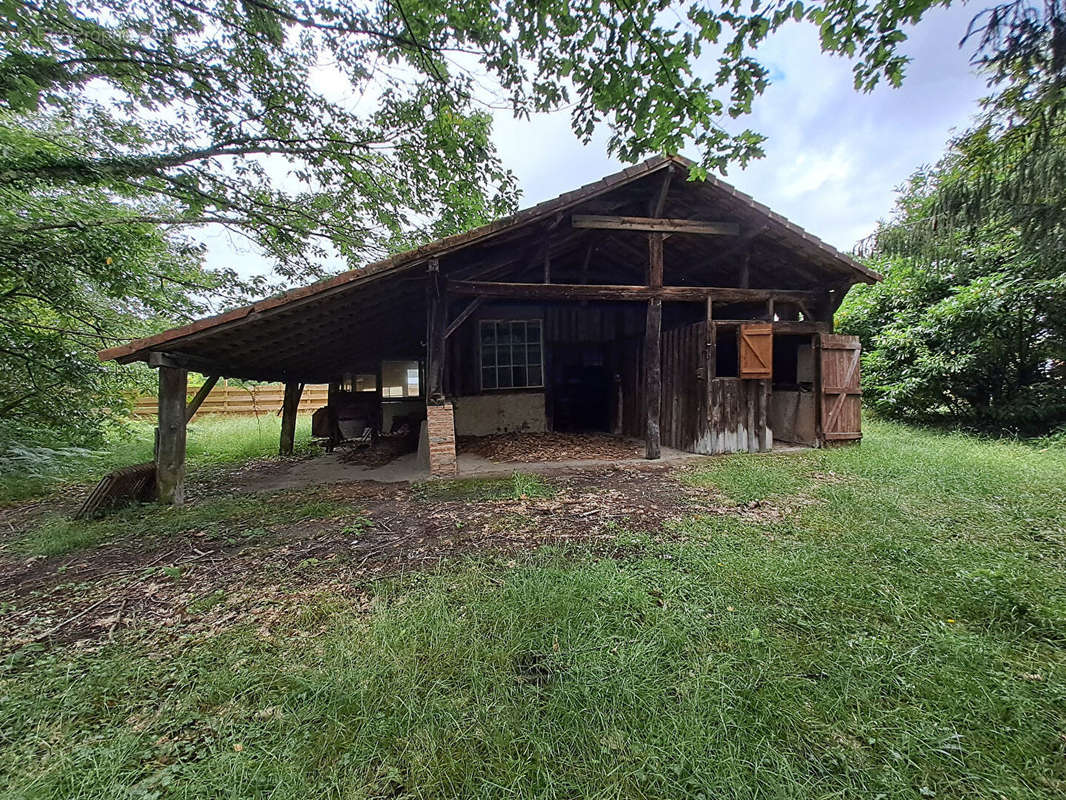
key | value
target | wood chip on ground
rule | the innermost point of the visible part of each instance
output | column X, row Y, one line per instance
column 540, row 447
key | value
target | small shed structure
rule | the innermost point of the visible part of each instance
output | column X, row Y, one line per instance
column 644, row 304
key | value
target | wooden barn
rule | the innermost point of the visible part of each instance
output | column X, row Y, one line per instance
column 644, row 304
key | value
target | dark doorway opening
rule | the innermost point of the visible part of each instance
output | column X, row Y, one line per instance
column 793, row 403
column 580, row 388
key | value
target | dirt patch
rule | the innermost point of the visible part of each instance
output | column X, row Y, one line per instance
column 383, row 451
column 549, row 447
column 198, row 580
column 213, row 480
column 19, row 516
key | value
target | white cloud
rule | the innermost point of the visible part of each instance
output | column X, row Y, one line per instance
column 833, row 156
column 811, row 172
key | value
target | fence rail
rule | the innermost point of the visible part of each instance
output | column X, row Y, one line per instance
column 243, row 400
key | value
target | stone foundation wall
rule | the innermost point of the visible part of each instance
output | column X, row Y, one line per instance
column 500, row 412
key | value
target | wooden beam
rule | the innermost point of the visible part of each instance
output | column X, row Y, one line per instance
column 453, row 326
column 606, row 291
column 585, row 263
column 170, row 448
column 743, row 242
column 655, row 208
column 194, row 405
column 653, row 225
column 653, row 375
column 290, row 405
column 781, row 326
column 182, row 361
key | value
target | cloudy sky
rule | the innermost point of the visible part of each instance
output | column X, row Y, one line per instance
column 833, row 158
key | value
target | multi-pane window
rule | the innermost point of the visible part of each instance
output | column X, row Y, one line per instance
column 511, row 354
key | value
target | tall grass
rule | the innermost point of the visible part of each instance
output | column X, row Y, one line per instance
column 900, row 634
column 212, row 440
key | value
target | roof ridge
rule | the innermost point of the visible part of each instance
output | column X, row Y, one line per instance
column 439, row 247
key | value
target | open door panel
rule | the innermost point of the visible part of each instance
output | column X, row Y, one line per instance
column 841, row 404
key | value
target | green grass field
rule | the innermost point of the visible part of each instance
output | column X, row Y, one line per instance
column 212, row 441
column 899, row 631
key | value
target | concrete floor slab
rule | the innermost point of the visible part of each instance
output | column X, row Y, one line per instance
column 330, row 468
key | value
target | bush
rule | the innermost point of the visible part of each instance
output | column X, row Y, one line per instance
column 982, row 351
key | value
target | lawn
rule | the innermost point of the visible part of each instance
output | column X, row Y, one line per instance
column 212, row 441
column 882, row 621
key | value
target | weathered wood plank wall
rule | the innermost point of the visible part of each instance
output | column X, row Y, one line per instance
column 631, row 369
column 684, row 416
column 741, row 422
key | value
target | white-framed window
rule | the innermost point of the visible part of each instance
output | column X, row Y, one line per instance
column 399, row 379
column 512, row 354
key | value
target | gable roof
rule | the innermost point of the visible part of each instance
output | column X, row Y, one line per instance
column 772, row 225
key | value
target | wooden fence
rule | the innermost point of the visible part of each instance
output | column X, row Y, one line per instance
column 244, row 400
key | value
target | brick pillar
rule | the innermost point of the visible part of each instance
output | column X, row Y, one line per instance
column 440, row 428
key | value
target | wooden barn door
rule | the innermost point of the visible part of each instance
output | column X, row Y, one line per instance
column 841, row 396
column 683, row 419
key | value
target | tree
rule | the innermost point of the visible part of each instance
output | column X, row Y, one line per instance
column 360, row 127
column 67, row 290
column 1011, row 167
column 970, row 324
column 350, row 128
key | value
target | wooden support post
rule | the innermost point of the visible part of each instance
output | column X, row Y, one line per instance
column 819, row 394
column 836, row 297
column 436, row 316
column 618, row 356
column 332, row 393
column 714, row 400
column 751, row 391
column 762, row 420
column 824, row 310
column 290, row 405
column 652, row 346
column 745, row 271
column 170, row 450
column 653, row 374
column 655, row 260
